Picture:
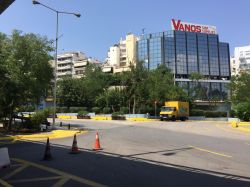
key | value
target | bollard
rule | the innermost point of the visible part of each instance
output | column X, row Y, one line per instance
column 60, row 124
column 234, row 124
column 69, row 126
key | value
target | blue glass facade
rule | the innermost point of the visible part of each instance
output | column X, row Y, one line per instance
column 188, row 52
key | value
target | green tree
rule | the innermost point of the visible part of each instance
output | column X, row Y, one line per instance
column 95, row 82
column 135, row 85
column 114, row 98
column 197, row 91
column 240, row 95
column 27, row 73
column 71, row 92
column 240, row 88
column 83, row 91
column 161, row 87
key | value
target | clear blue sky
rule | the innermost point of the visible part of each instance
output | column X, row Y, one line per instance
column 104, row 22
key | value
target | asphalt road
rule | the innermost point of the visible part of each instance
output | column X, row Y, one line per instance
column 137, row 154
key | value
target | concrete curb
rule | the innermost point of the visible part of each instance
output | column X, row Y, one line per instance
column 109, row 118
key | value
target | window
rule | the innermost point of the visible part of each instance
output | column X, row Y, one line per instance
column 213, row 55
column 181, row 60
column 192, row 52
column 224, row 59
column 155, row 52
column 203, row 54
column 169, row 50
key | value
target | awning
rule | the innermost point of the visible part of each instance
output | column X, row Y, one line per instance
column 4, row 4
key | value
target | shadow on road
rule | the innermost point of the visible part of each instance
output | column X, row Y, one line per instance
column 173, row 151
column 120, row 170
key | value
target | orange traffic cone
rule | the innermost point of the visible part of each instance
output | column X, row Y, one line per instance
column 74, row 149
column 97, row 143
column 47, row 154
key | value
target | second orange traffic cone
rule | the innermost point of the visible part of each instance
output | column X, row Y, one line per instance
column 47, row 154
column 97, row 145
column 74, row 149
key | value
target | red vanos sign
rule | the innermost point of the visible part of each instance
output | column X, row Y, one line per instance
column 192, row 27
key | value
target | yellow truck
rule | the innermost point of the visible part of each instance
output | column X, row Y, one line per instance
column 174, row 110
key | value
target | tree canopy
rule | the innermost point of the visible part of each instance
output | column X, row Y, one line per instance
column 240, row 95
column 25, row 71
column 135, row 90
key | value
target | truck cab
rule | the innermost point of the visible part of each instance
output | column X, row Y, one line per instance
column 168, row 113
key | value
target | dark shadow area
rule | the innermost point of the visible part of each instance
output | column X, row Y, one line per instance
column 169, row 154
column 120, row 170
column 173, row 151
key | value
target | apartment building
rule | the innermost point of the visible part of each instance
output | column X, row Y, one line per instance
column 121, row 55
column 73, row 64
column 241, row 60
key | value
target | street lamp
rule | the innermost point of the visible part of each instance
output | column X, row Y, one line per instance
column 55, row 68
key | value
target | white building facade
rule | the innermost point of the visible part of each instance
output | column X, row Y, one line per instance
column 241, row 60
column 73, row 64
column 122, row 55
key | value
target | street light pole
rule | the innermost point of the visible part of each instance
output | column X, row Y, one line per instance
column 55, row 75
column 55, row 68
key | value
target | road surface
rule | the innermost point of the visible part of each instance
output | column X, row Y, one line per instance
column 136, row 154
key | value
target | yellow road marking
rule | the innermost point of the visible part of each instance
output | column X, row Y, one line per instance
column 58, row 172
column 34, row 179
column 61, row 182
column 15, row 171
column 5, row 184
column 205, row 150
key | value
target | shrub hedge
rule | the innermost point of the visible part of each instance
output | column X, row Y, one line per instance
column 209, row 114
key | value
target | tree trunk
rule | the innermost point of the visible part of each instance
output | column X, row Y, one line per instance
column 5, row 125
column 129, row 109
column 10, row 121
column 134, row 105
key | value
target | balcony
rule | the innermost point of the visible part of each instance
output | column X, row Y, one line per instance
column 64, row 73
column 64, row 61
column 69, row 67
column 121, row 69
column 80, row 64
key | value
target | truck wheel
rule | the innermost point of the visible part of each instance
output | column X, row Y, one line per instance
column 182, row 118
column 161, row 119
column 173, row 118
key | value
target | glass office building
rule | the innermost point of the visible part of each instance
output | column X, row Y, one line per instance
column 188, row 52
